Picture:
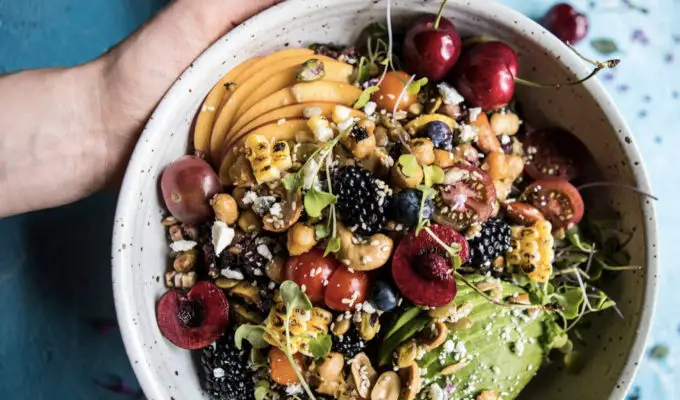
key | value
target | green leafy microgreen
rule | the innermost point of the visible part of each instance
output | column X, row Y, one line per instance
column 294, row 181
column 320, row 346
column 432, row 175
column 363, row 70
column 570, row 299
column 415, row 86
column 316, row 201
column 365, row 96
column 574, row 237
column 294, row 299
column 261, row 389
column 555, row 336
column 333, row 246
column 254, row 334
column 427, row 192
column 321, row 231
column 409, row 165
column 257, row 359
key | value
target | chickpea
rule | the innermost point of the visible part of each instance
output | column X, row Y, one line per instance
column 505, row 123
column 443, row 158
column 402, row 181
column 249, row 222
column 368, row 125
column 486, row 140
column 225, row 207
column 423, row 149
column 361, row 140
column 301, row 238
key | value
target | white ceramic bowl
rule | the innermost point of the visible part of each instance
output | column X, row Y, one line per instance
column 140, row 249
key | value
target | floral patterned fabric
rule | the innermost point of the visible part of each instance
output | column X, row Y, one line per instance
column 58, row 337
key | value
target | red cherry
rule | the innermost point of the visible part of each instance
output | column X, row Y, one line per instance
column 485, row 74
column 346, row 289
column 187, row 185
column 312, row 270
column 195, row 320
column 566, row 23
column 429, row 51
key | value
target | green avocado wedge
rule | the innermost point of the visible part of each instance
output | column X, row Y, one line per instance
column 501, row 351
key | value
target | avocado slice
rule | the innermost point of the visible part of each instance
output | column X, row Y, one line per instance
column 501, row 351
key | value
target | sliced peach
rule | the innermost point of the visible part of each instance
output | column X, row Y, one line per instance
column 287, row 112
column 307, row 92
column 334, row 71
column 244, row 90
column 206, row 117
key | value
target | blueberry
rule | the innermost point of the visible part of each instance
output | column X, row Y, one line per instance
column 384, row 296
column 405, row 207
column 440, row 134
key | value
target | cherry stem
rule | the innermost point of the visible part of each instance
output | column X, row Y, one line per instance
column 439, row 15
column 599, row 66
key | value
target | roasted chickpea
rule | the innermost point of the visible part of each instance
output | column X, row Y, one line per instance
column 249, row 222
column 505, row 123
column 443, row 158
column 423, row 149
column 225, row 207
column 301, row 239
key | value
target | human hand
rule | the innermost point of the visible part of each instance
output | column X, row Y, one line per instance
column 71, row 131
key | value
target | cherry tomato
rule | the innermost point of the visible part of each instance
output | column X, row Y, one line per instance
column 346, row 289
column 467, row 196
column 553, row 152
column 188, row 184
column 280, row 369
column 558, row 200
column 390, row 90
column 311, row 270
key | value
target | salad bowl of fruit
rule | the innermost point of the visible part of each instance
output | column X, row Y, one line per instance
column 386, row 200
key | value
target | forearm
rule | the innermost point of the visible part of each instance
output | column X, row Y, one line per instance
column 42, row 148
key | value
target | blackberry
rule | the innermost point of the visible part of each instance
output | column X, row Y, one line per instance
column 350, row 344
column 226, row 375
column 362, row 199
column 492, row 242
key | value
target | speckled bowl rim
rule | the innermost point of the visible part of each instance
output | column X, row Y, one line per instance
column 192, row 77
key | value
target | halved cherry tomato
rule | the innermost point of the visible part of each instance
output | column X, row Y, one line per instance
column 312, row 271
column 553, row 152
column 467, row 196
column 558, row 200
column 346, row 289
column 280, row 369
column 390, row 89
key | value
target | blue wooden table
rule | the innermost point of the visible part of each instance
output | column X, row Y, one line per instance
column 58, row 338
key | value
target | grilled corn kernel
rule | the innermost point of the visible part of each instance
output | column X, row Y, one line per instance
column 532, row 250
column 341, row 114
column 281, row 156
column 303, row 325
column 259, row 153
column 320, row 126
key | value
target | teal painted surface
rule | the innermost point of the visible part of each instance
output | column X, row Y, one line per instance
column 56, row 338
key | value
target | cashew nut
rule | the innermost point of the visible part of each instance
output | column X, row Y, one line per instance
column 366, row 256
column 503, row 169
column 301, row 238
column 330, row 375
column 435, row 337
column 291, row 210
column 387, row 387
column 364, row 374
column 486, row 139
column 410, row 376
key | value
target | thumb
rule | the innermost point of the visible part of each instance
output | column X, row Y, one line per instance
column 137, row 72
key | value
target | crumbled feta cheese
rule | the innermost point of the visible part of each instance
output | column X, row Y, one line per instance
column 505, row 139
column 275, row 210
column 468, row 133
column 232, row 274
column 294, row 389
column 309, row 112
column 250, row 197
column 323, row 133
column 455, row 175
column 222, row 236
column 449, row 94
column 309, row 173
column 474, row 112
column 370, row 108
column 449, row 346
column 435, row 392
column 218, row 373
column 344, row 125
column 263, row 250
column 262, row 205
column 182, row 245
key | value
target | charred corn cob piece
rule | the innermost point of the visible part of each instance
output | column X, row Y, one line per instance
column 302, row 325
column 281, row 156
column 531, row 249
column 259, row 153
